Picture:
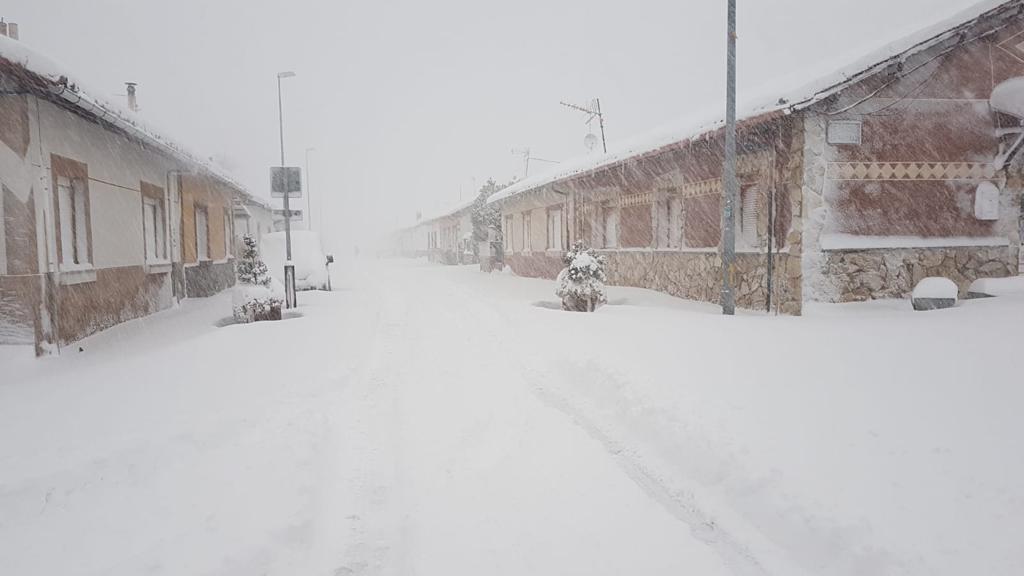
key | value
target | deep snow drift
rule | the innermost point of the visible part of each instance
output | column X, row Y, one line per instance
column 433, row 420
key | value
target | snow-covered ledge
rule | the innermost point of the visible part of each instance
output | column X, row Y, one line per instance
column 158, row 267
column 77, row 275
column 836, row 242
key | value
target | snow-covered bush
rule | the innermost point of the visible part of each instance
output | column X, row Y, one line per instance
column 580, row 284
column 254, row 299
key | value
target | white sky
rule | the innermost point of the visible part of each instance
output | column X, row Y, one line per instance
column 407, row 102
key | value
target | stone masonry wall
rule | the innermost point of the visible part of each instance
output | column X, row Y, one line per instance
column 874, row 274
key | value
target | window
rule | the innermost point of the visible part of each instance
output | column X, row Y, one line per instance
column 72, row 212
column 202, row 234
column 228, row 236
column 153, row 228
column 526, row 232
column 555, row 229
column 748, row 216
column 507, row 234
column 611, row 227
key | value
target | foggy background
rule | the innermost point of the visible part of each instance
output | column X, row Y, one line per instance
column 411, row 105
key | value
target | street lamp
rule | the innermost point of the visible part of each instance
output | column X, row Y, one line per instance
column 309, row 189
column 289, row 266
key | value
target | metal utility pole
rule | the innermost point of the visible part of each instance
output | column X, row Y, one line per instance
column 592, row 112
column 289, row 267
column 730, row 186
column 309, row 191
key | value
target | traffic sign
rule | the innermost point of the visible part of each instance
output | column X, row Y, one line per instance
column 285, row 178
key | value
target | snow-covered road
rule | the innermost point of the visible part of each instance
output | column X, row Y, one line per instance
column 436, row 420
column 388, row 431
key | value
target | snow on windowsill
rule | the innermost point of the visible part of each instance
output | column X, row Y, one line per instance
column 831, row 242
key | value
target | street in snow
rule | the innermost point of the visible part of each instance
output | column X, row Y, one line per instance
column 448, row 422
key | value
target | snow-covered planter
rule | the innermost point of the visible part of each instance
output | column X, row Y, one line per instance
column 257, row 297
column 580, row 284
column 935, row 293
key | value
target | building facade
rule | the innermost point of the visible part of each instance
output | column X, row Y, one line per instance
column 98, row 217
column 899, row 168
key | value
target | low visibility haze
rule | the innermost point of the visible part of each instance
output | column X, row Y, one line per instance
column 411, row 105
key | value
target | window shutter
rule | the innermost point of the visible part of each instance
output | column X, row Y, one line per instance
column 749, row 214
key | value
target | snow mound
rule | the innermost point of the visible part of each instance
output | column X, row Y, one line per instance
column 1013, row 286
column 935, row 293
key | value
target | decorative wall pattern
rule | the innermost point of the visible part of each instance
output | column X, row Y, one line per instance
column 916, row 171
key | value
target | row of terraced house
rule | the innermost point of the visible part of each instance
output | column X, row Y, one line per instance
column 102, row 220
column 854, row 187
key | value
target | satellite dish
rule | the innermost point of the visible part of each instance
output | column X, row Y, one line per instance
column 590, row 141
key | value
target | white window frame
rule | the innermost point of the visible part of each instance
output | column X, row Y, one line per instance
column 228, row 235
column 73, row 215
column 154, row 229
column 506, row 234
column 527, row 236
column 556, row 239
column 202, row 240
column 610, row 215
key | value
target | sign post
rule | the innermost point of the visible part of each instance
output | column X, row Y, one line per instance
column 286, row 182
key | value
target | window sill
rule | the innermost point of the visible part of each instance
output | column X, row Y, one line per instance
column 69, row 277
column 158, row 267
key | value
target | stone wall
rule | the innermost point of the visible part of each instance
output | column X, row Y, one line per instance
column 698, row 276
column 875, row 274
column 690, row 275
column 209, row 278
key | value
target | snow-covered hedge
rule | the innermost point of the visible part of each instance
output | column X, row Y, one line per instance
column 580, row 284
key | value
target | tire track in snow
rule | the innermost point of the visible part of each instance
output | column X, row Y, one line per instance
column 680, row 505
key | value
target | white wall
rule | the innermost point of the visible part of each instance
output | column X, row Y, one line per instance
column 116, row 167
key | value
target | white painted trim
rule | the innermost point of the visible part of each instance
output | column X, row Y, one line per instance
column 838, row 242
column 158, row 267
column 77, row 276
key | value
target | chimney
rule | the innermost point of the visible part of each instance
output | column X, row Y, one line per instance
column 133, row 103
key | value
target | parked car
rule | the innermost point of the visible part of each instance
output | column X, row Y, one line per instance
column 307, row 256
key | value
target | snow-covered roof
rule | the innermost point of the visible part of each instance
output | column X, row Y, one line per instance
column 64, row 85
column 450, row 211
column 768, row 99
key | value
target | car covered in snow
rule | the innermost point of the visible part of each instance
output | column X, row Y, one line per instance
column 307, row 255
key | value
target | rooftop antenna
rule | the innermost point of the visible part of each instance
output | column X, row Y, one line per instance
column 133, row 103
column 592, row 110
column 525, row 153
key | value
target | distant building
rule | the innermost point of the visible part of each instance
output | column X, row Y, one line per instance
column 101, row 219
column 446, row 238
column 902, row 166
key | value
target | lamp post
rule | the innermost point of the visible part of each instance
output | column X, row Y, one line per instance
column 309, row 191
column 730, row 186
column 289, row 266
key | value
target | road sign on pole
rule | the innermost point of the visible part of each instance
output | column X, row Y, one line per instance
column 285, row 179
column 293, row 214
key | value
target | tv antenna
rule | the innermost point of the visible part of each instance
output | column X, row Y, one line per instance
column 593, row 110
column 525, row 153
